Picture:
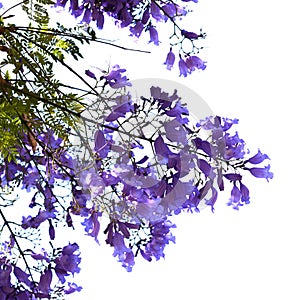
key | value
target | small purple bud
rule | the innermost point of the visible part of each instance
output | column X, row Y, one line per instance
column 233, row 177
column 189, row 35
column 51, row 230
column 90, row 74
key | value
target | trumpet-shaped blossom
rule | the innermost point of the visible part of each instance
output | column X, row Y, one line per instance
column 92, row 225
column 137, row 29
column 170, row 60
column 235, row 198
column 45, row 281
column 153, row 36
column 35, row 222
column 115, row 79
column 261, row 172
column 183, row 67
column 257, row 158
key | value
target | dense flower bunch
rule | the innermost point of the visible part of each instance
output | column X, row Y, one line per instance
column 135, row 163
column 23, row 286
column 149, row 160
column 39, row 170
column 142, row 16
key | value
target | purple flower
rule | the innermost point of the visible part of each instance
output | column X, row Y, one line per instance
column 67, row 262
column 205, row 167
column 128, row 261
column 261, row 172
column 126, row 17
column 51, row 230
column 45, row 281
column 92, row 225
column 153, row 36
column 170, row 60
column 205, row 146
column 91, row 181
column 257, row 158
column 31, row 178
column 146, row 16
column 6, row 288
column 183, row 68
column 119, row 111
column 220, row 180
column 78, row 205
column 156, row 12
column 161, row 148
column 87, row 16
column 78, row 12
column 235, row 198
column 235, row 147
column 50, row 140
column 190, row 0
column 177, row 111
column 115, row 78
column 39, row 256
column 73, row 287
column 22, row 276
column 195, row 62
column 101, row 145
column 119, row 245
column 175, row 132
column 212, row 200
column 34, row 222
column 73, row 5
column 160, row 237
column 99, row 17
column 233, row 177
column 61, row 3
column 137, row 29
column 171, row 9
column 245, row 194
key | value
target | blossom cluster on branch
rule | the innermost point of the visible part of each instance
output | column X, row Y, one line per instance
column 97, row 156
column 143, row 16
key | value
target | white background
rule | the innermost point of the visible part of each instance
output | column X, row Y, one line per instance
column 252, row 51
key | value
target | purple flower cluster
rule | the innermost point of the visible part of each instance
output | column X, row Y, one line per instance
column 67, row 262
column 186, row 66
column 185, row 173
column 114, row 78
column 117, row 232
column 140, row 17
column 160, row 236
column 133, row 13
column 25, row 287
column 39, row 171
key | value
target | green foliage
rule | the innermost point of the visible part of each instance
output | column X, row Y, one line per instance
column 31, row 98
column 37, row 10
